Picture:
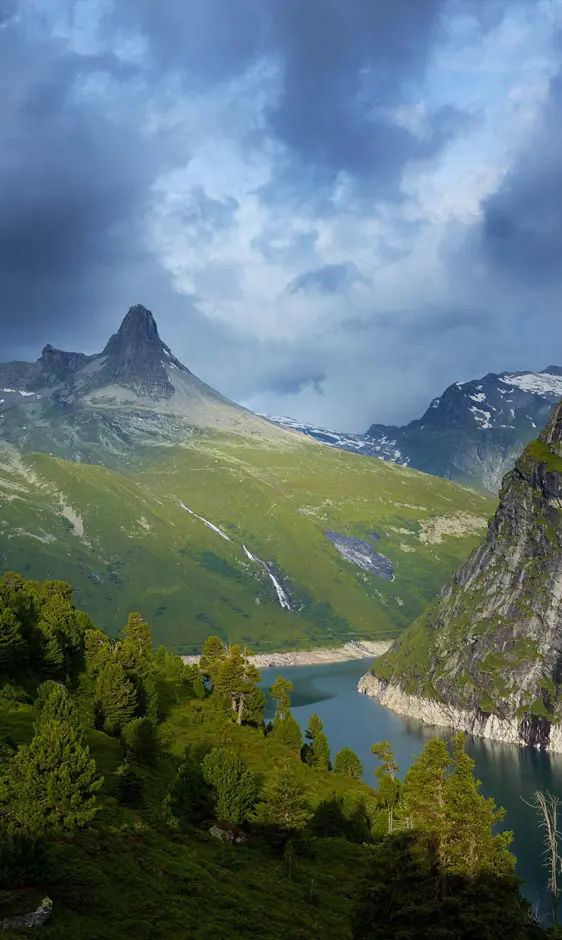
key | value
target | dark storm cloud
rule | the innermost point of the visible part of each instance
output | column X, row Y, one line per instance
column 72, row 188
column 521, row 235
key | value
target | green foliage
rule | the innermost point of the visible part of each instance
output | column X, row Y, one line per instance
column 236, row 678
column 280, row 692
column 234, row 787
column 321, row 752
column 54, row 703
column 51, row 785
column 140, row 740
column 315, row 726
column 188, row 800
column 473, row 848
column 346, row 762
column 212, row 654
column 286, row 730
column 12, row 644
column 388, row 788
column 116, row 699
column 98, row 650
column 403, row 898
column 130, row 786
column 282, row 802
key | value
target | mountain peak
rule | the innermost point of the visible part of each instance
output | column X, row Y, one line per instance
column 136, row 358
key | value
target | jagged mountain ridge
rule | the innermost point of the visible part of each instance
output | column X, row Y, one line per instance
column 487, row 655
column 472, row 433
column 134, row 392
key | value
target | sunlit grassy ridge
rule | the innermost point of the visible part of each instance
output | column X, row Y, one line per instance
column 124, row 541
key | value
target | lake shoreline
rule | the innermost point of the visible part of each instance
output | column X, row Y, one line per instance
column 366, row 649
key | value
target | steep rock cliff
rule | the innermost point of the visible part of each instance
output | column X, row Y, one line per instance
column 487, row 654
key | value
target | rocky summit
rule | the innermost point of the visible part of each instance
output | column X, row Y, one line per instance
column 134, row 392
column 487, row 655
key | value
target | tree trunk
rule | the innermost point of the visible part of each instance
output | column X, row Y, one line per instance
column 233, row 702
column 240, row 710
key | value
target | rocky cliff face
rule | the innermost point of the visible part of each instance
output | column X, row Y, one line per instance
column 487, row 655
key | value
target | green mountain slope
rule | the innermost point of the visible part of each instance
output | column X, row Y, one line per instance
column 124, row 540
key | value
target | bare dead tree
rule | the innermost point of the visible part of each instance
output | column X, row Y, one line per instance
column 547, row 805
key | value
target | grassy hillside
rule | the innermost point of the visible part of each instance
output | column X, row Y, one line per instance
column 125, row 542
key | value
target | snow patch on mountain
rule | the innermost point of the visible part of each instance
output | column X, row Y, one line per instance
column 539, row 383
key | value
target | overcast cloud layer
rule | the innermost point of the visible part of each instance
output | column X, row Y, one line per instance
column 334, row 208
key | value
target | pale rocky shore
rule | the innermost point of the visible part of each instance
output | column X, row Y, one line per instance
column 447, row 716
column 366, row 649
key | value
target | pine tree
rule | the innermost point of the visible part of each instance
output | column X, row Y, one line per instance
column 315, row 726
column 12, row 644
column 388, row 783
column 255, row 703
column 286, row 730
column 116, row 698
column 280, row 692
column 321, row 752
column 52, row 783
column 197, row 683
column 54, row 703
column 282, row 802
column 188, row 799
column 211, row 657
column 472, row 848
column 237, row 676
column 98, row 650
column 135, row 649
column 423, row 793
column 346, row 762
column 234, row 787
column 140, row 740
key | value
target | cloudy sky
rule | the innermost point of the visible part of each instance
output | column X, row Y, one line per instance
column 334, row 208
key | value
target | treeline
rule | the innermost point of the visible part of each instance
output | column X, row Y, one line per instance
column 436, row 866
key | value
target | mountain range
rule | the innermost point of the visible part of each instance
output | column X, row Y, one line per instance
column 472, row 433
column 126, row 475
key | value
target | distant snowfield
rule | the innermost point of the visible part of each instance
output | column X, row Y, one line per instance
column 540, row 383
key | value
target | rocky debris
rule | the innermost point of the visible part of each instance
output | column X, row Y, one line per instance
column 490, row 647
column 227, row 832
column 365, row 649
column 361, row 553
column 35, row 919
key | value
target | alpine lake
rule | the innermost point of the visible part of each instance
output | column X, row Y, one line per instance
column 509, row 773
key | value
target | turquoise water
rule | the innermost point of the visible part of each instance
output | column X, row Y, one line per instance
column 507, row 772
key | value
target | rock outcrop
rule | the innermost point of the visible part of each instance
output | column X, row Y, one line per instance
column 487, row 654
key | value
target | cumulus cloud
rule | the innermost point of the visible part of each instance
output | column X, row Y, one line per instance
column 333, row 208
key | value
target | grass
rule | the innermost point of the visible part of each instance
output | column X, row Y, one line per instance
column 125, row 543
column 131, row 877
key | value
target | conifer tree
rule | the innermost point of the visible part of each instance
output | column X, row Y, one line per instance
column 98, row 650
column 280, row 692
column 424, row 793
column 386, row 774
column 140, row 740
column 52, row 783
column 237, row 676
column 315, row 726
column 472, row 847
column 321, row 752
column 211, row 657
column 12, row 644
column 282, row 802
column 54, row 703
column 116, row 698
column 254, row 705
column 135, row 649
column 188, row 799
column 286, row 730
column 346, row 762
column 234, row 787
column 197, row 683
